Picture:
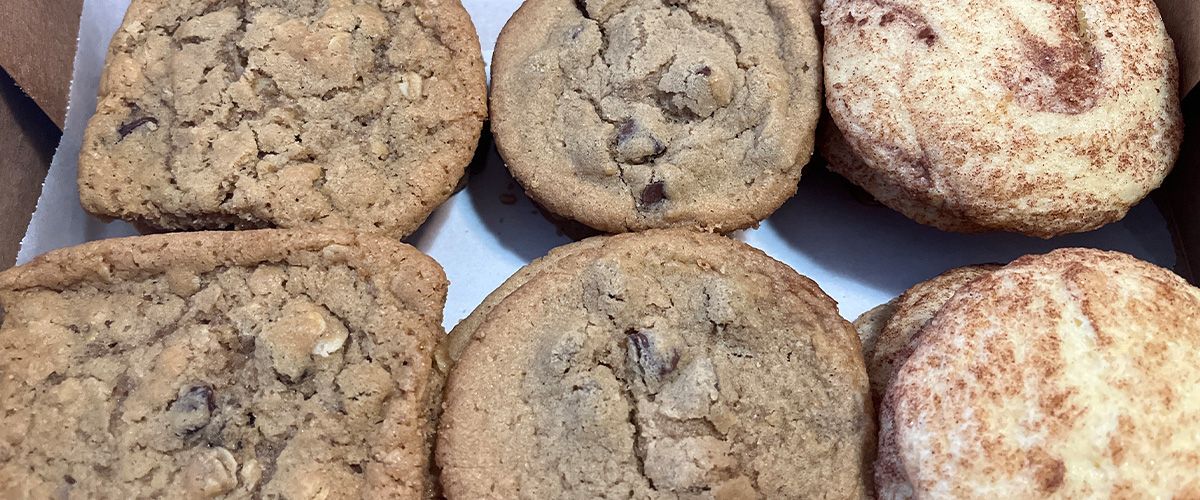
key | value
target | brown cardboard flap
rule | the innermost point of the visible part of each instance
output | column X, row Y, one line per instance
column 27, row 141
column 1182, row 18
column 39, row 50
column 1181, row 194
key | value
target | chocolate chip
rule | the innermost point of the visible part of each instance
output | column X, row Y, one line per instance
column 192, row 410
column 245, row 345
column 655, row 361
column 704, row 71
column 636, row 144
column 129, row 127
column 195, row 397
column 626, row 131
column 659, row 148
column 928, row 36
column 887, row 19
column 653, row 194
column 639, row 340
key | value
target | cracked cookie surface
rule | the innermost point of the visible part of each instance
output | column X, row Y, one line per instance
column 240, row 365
column 1040, row 117
column 634, row 114
column 1065, row 375
column 666, row 364
column 359, row 114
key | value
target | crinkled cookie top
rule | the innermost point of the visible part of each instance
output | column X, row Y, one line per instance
column 633, row 114
column 252, row 113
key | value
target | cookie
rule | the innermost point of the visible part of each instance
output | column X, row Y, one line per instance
column 221, row 114
column 1040, row 118
column 452, row 346
column 1066, row 375
column 890, row 332
column 665, row 364
column 249, row 364
column 869, row 324
column 633, row 114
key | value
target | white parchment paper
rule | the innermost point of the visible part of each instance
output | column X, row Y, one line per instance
column 861, row 255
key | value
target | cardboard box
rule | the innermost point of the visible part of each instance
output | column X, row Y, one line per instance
column 1180, row 196
column 40, row 46
column 36, row 56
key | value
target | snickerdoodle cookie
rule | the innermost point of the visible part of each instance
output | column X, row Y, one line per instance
column 1038, row 117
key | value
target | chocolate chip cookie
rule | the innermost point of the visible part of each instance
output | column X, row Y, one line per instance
column 633, row 114
column 219, row 114
column 1065, row 375
column 1041, row 118
column 451, row 348
column 890, row 332
column 251, row 364
column 665, row 364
